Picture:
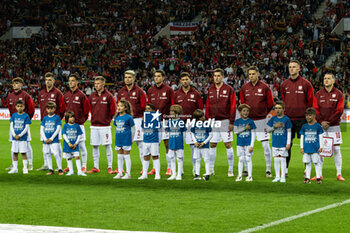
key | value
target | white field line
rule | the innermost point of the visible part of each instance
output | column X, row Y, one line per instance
column 12, row 228
column 288, row 219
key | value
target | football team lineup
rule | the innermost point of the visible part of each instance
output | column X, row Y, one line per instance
column 315, row 118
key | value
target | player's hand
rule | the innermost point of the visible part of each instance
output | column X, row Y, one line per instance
column 74, row 146
column 48, row 141
column 70, row 145
column 230, row 127
column 202, row 144
column 196, row 144
column 287, row 146
column 320, row 150
column 248, row 127
column 17, row 137
column 251, row 149
column 279, row 125
column 302, row 150
column 325, row 124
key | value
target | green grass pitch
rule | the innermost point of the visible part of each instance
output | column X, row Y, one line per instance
column 219, row 205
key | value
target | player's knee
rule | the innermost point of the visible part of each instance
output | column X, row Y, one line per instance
column 147, row 158
column 155, row 157
column 213, row 145
column 228, row 145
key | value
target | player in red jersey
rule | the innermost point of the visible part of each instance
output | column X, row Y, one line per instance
column 103, row 109
column 137, row 98
column 259, row 97
column 162, row 97
column 190, row 100
column 221, row 106
column 19, row 94
column 77, row 102
column 329, row 105
column 51, row 94
column 298, row 94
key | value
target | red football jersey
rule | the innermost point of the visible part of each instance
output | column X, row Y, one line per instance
column 259, row 98
column 78, row 103
column 329, row 106
column 162, row 98
column 103, row 108
column 54, row 95
column 137, row 98
column 189, row 102
column 21, row 95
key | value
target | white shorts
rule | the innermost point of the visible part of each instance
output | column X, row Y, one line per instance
column 150, row 149
column 261, row 130
column 189, row 139
column 100, row 135
column 138, row 130
column 243, row 151
column 279, row 151
column 179, row 153
column 83, row 136
column 199, row 153
column 70, row 155
column 127, row 148
column 19, row 146
column 311, row 157
column 222, row 133
column 335, row 133
column 165, row 134
column 53, row 148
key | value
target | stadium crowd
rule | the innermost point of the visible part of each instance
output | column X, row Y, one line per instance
column 106, row 38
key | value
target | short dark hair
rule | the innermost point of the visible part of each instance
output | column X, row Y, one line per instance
column 310, row 111
column 75, row 75
column 50, row 105
column 198, row 114
column 176, row 108
column 219, row 70
column 18, row 79
column 151, row 106
column 49, row 75
column 19, row 102
column 68, row 115
column 185, row 74
column 243, row 106
column 160, row 71
column 281, row 103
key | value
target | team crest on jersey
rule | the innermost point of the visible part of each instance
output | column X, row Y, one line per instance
column 164, row 93
column 20, row 99
column 134, row 93
column 224, row 92
column 77, row 98
column 104, row 98
column 259, row 90
column 334, row 95
column 192, row 96
column 52, row 95
column 300, row 88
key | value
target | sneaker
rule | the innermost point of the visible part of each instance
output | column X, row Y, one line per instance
column 56, row 170
column 50, row 172
column 340, row 178
column 143, row 177
column 197, row 177
column 315, row 178
column 152, row 172
column 307, row 181
column 70, row 173
column 249, row 179
column 9, row 168
column 66, row 170
column 43, row 168
column 118, row 176
column 268, row 174
column 110, row 171
column 239, row 178
column 179, row 177
column 83, row 169
column 81, row 173
column 30, row 167
column 283, row 180
column 126, row 176
column 172, row 177
column 25, row 171
column 206, row 177
column 157, row 177
column 168, row 172
column 94, row 170
column 60, row 172
column 13, row 171
column 245, row 173
column 319, row 181
column 277, row 179
column 230, row 174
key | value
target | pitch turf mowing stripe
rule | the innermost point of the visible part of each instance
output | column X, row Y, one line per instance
column 11, row 228
column 295, row 217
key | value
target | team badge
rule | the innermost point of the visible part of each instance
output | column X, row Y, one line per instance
column 259, row 90
column 20, row 98
column 134, row 93
column 164, row 93
column 77, row 98
column 52, row 95
column 334, row 95
column 300, row 88
column 104, row 98
column 192, row 96
column 224, row 91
